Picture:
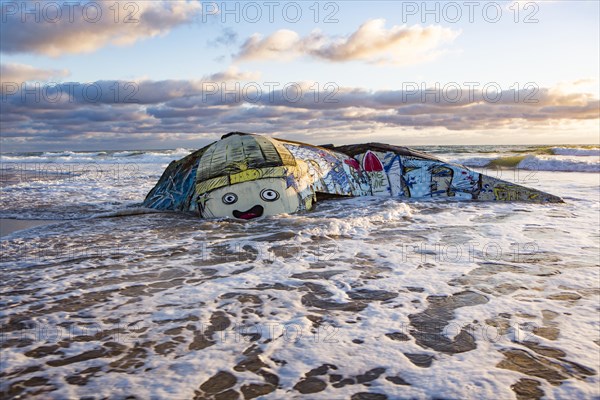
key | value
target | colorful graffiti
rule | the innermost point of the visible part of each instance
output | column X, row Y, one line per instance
column 246, row 176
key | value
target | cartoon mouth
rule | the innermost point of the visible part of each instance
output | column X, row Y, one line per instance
column 254, row 212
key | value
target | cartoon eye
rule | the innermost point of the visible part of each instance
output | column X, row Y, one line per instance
column 269, row 195
column 229, row 198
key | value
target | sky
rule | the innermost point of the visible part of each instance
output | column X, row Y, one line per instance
column 111, row 75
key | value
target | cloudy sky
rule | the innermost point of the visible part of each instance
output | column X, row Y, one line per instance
column 85, row 75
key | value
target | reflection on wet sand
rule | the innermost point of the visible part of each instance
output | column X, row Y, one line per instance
column 223, row 310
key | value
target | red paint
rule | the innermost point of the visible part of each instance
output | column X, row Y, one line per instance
column 353, row 163
column 252, row 213
column 248, row 215
column 371, row 162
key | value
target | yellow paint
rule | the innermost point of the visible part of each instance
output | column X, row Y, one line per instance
column 243, row 176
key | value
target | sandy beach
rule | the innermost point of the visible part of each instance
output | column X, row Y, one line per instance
column 8, row 226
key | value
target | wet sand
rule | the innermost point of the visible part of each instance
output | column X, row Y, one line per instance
column 358, row 299
column 8, row 226
column 133, row 307
column 15, row 173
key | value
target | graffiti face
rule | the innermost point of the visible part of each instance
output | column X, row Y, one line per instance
column 254, row 199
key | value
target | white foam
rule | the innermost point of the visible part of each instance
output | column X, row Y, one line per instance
column 559, row 163
column 567, row 163
column 570, row 151
column 152, row 271
column 70, row 157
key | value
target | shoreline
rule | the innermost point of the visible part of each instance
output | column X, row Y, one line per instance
column 11, row 225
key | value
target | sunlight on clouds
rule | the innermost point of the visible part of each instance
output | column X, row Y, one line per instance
column 589, row 85
column 18, row 73
column 283, row 45
column 182, row 107
column 371, row 42
column 233, row 74
column 82, row 36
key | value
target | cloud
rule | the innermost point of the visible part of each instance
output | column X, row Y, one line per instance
column 83, row 27
column 283, row 44
column 19, row 73
column 228, row 37
column 577, row 86
column 186, row 110
column 371, row 42
column 232, row 74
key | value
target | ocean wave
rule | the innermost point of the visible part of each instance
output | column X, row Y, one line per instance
column 534, row 163
column 553, row 164
column 128, row 153
column 101, row 157
column 571, row 151
column 544, row 158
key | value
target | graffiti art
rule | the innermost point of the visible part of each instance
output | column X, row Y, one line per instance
column 246, row 176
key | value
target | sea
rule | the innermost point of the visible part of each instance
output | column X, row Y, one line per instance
column 360, row 298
